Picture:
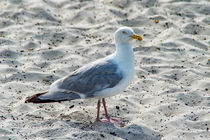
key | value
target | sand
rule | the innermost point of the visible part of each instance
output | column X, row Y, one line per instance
column 43, row 40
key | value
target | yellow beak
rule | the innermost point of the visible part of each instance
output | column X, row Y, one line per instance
column 138, row 37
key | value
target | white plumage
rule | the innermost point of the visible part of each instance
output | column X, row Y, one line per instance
column 102, row 78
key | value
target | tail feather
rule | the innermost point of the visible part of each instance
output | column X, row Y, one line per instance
column 35, row 99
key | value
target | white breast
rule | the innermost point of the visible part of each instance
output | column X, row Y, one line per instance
column 126, row 67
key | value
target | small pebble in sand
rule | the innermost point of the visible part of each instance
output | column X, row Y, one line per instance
column 156, row 21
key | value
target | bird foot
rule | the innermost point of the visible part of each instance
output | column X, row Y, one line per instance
column 110, row 120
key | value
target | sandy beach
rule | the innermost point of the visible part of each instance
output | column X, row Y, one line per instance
column 44, row 40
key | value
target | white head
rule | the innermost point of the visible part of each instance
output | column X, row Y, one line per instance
column 125, row 34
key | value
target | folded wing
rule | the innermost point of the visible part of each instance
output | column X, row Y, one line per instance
column 85, row 82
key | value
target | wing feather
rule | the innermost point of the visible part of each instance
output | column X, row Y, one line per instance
column 92, row 78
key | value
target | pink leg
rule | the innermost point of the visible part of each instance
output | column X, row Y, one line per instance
column 108, row 118
column 98, row 110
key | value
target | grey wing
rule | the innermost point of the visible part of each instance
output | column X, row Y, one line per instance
column 92, row 78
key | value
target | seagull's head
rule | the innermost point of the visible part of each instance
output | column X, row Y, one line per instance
column 125, row 34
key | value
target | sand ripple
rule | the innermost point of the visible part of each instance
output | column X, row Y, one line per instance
column 43, row 40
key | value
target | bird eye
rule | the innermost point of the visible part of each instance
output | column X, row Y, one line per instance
column 124, row 32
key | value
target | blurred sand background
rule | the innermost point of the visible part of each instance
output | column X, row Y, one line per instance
column 43, row 40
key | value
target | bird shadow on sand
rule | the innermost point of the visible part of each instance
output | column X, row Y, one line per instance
column 63, row 128
column 132, row 131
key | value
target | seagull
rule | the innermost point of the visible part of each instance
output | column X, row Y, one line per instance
column 100, row 79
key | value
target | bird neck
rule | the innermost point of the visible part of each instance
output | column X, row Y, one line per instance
column 124, row 52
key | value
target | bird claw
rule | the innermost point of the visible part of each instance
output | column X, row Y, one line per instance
column 115, row 120
column 110, row 120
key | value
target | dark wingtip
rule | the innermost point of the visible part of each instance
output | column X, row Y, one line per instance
column 34, row 98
